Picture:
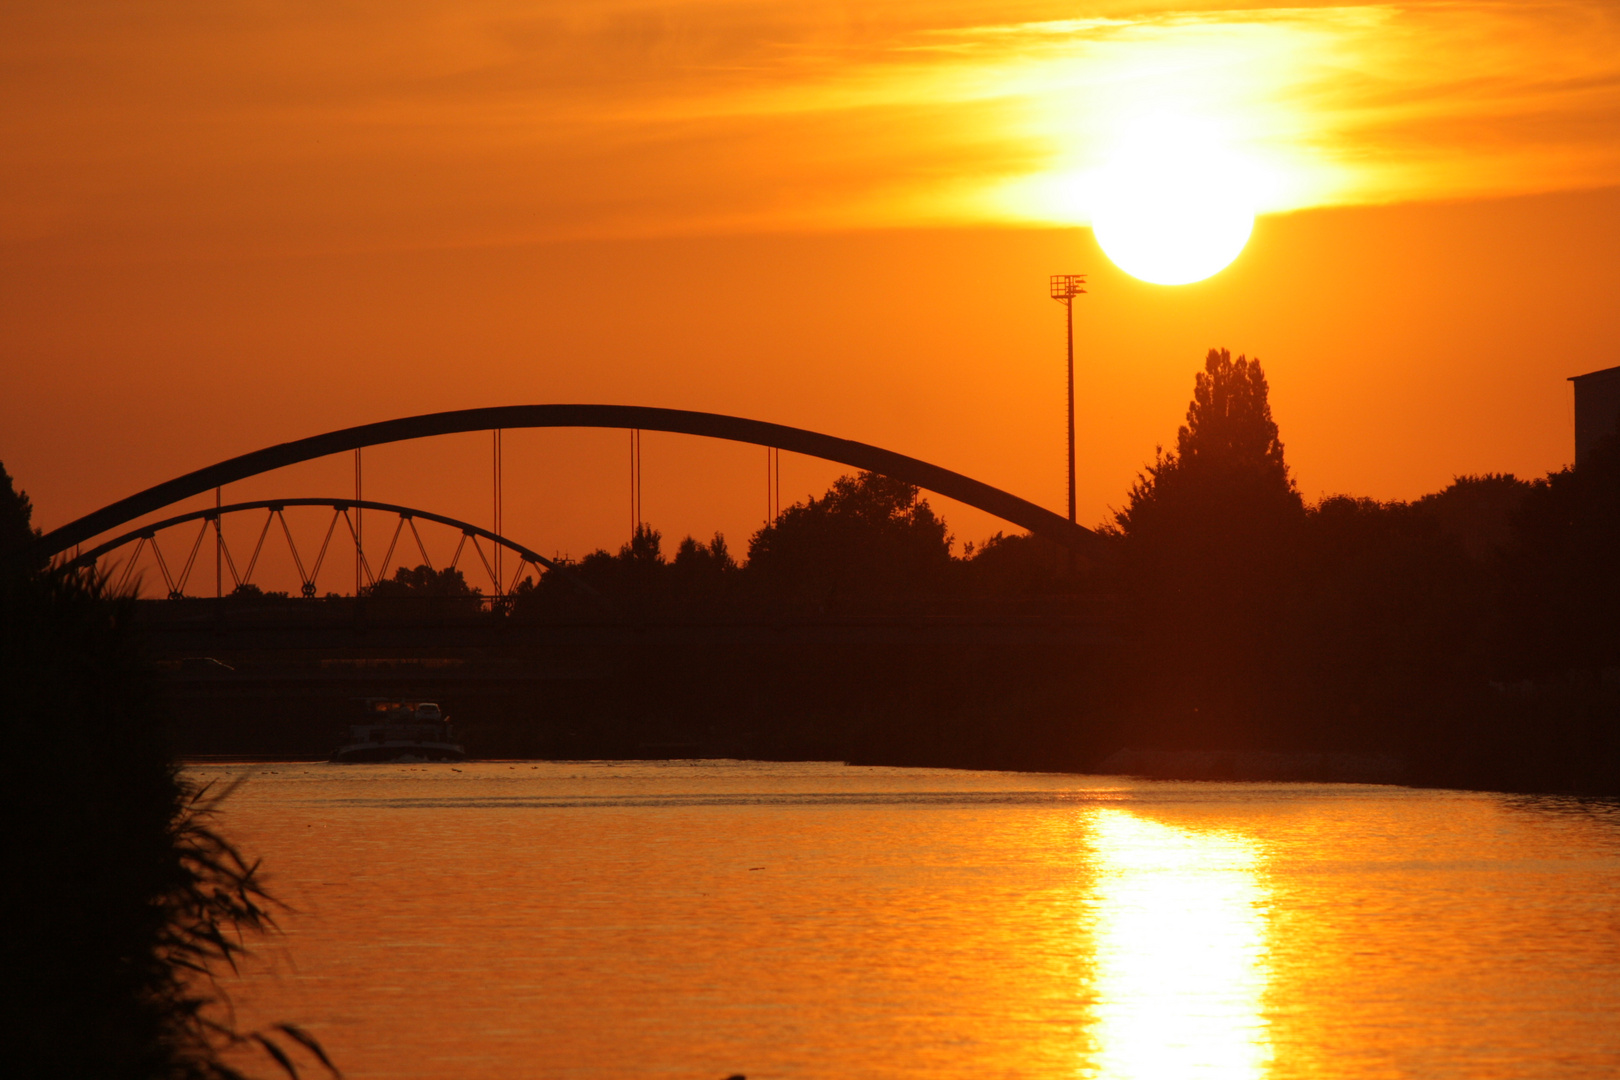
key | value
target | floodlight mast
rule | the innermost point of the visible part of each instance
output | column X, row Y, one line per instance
column 1065, row 287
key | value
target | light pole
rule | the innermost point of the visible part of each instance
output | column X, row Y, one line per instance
column 1065, row 287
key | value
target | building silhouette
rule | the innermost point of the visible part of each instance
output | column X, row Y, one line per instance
column 1597, row 409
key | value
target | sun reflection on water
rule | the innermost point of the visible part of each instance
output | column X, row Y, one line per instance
column 1179, row 919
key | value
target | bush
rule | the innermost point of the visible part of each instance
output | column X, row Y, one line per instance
column 118, row 898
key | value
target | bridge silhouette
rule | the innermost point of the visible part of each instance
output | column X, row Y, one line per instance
column 176, row 580
column 934, row 478
column 792, row 680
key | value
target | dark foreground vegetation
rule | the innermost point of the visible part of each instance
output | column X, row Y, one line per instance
column 118, row 898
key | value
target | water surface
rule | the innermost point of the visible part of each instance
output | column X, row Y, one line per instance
column 699, row 919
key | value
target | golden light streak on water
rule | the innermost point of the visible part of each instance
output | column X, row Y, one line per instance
column 1179, row 925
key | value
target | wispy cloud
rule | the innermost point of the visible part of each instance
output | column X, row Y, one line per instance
column 286, row 126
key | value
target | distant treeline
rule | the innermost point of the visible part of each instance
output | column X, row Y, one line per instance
column 1475, row 632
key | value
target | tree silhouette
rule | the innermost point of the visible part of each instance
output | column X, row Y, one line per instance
column 1209, row 532
column 1477, row 511
column 700, row 569
column 870, row 535
column 1228, row 463
column 423, row 581
column 1019, row 566
column 636, row 571
column 16, row 513
column 1562, row 578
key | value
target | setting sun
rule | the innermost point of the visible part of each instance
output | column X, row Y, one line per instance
column 1172, row 205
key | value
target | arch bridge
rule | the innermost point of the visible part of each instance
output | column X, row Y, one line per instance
column 925, row 475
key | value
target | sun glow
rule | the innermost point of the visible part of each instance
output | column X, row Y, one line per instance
column 1172, row 205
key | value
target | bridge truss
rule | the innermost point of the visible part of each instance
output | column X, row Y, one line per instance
column 177, row 574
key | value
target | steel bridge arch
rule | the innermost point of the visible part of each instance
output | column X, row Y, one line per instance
column 340, row 506
column 954, row 485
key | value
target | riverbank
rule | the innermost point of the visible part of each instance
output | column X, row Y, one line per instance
column 974, row 687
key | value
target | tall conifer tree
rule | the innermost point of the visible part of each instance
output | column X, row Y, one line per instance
column 1210, row 531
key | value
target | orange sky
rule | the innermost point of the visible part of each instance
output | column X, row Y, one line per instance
column 227, row 227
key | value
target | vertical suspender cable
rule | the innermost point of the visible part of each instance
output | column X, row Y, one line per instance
column 495, row 447
column 773, row 483
column 635, row 481
column 359, row 545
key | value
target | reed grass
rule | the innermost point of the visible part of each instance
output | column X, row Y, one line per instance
column 121, row 900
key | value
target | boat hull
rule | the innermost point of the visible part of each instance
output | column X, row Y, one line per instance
column 399, row 751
